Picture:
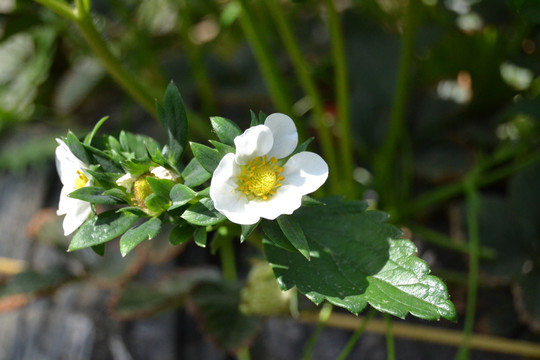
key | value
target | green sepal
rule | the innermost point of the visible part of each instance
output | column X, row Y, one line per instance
column 247, row 230
column 203, row 213
column 294, row 234
column 208, row 158
column 106, row 180
column 273, row 233
column 160, row 187
column 88, row 139
column 174, row 119
column 181, row 234
column 180, row 195
column 119, row 194
column 106, row 162
column 77, row 148
column 195, row 174
column 95, row 195
column 225, row 129
column 136, row 235
column 223, row 149
column 133, row 210
column 102, row 228
column 200, row 236
column 309, row 201
column 156, row 203
column 257, row 119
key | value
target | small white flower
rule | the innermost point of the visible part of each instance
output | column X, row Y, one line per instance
column 250, row 184
column 72, row 175
column 127, row 180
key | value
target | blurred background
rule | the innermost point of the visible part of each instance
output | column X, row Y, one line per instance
column 438, row 92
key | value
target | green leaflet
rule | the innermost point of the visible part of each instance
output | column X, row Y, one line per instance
column 356, row 259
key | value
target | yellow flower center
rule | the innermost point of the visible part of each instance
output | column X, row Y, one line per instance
column 141, row 189
column 80, row 181
column 260, row 178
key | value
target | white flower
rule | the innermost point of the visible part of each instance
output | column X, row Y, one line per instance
column 250, row 184
column 127, row 180
column 72, row 175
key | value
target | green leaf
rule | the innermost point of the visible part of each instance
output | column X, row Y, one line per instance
column 181, row 234
column 223, row 149
column 102, row 228
column 200, row 236
column 208, row 158
column 356, row 260
column 95, row 195
column 136, row 235
column 203, row 213
column 174, row 119
column 217, row 305
column 105, row 160
column 133, row 210
column 294, row 234
column 160, row 187
column 309, row 201
column 88, row 139
column 225, row 129
column 99, row 249
column 180, row 195
column 194, row 174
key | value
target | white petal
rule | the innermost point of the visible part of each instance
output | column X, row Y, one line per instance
column 255, row 141
column 306, row 171
column 286, row 200
column 162, row 173
column 126, row 181
column 223, row 192
column 67, row 164
column 285, row 135
column 76, row 216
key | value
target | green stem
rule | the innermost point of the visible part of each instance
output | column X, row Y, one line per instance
column 432, row 198
column 342, row 94
column 59, row 7
column 473, row 210
column 324, row 314
column 302, row 67
column 356, row 335
column 265, row 59
column 228, row 261
column 386, row 159
column 446, row 242
column 195, row 54
column 82, row 18
column 390, row 343
column 113, row 65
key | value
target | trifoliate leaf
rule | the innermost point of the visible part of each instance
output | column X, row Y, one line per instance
column 356, row 259
column 194, row 174
column 203, row 213
column 180, row 195
column 225, row 129
column 102, row 228
column 136, row 235
column 174, row 119
column 208, row 158
column 95, row 195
